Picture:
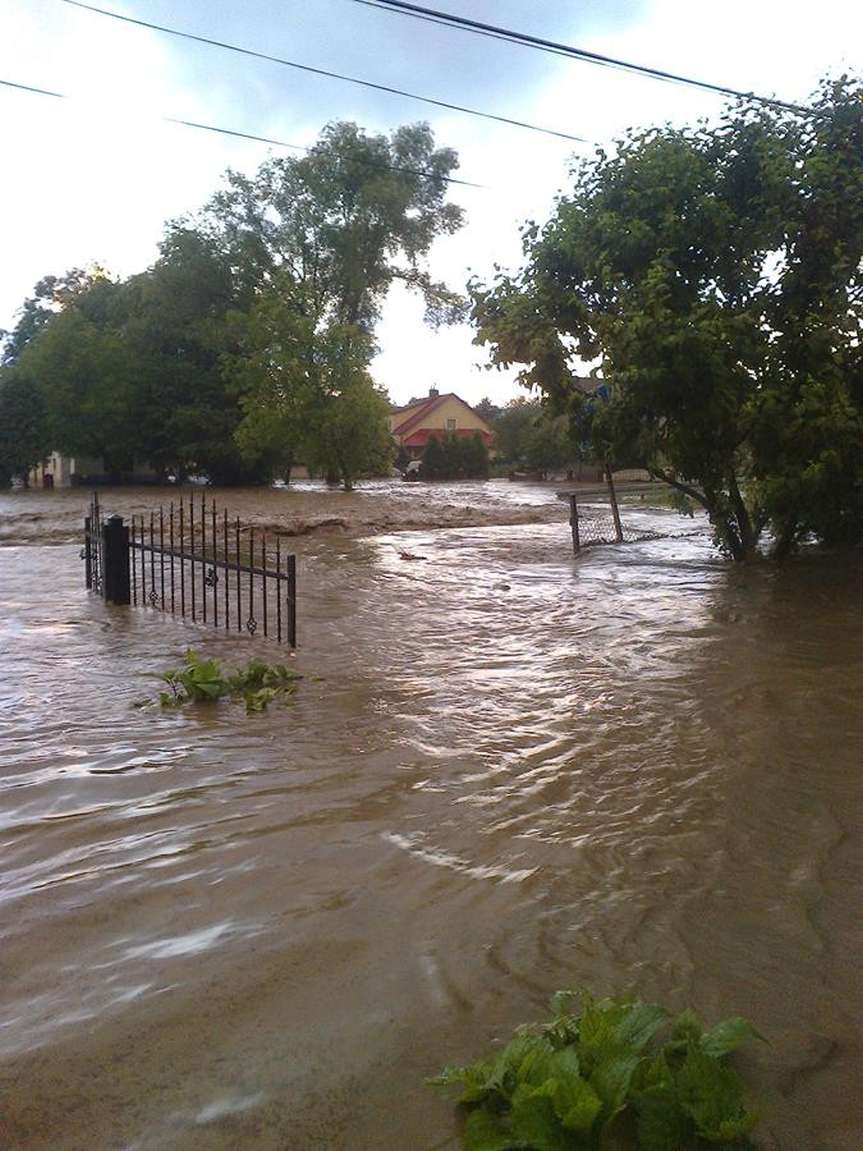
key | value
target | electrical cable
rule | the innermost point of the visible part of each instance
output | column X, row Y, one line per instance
column 324, row 72
column 463, row 23
column 252, row 136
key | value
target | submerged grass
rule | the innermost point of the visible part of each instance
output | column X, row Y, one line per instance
column 617, row 1075
column 205, row 681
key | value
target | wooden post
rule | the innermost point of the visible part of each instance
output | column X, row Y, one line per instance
column 612, row 495
column 115, row 574
column 573, row 522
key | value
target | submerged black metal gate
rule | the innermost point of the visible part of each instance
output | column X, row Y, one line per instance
column 192, row 561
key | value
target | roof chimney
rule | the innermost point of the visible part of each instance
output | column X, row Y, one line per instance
column 433, row 392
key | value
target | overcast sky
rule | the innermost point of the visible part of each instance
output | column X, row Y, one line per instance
column 93, row 179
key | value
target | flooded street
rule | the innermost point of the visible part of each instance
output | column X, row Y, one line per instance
column 507, row 772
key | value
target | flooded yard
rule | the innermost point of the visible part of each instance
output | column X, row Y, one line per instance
column 506, row 772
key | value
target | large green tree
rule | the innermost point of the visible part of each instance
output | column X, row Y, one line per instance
column 306, row 392
column 178, row 327
column 345, row 222
column 349, row 433
column 24, row 436
column 324, row 238
column 86, row 374
column 249, row 339
column 50, row 295
column 529, row 433
column 514, row 427
column 28, row 421
column 69, row 352
column 714, row 274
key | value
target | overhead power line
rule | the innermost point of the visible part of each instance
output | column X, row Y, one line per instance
column 251, row 136
column 30, row 88
column 446, row 22
column 325, row 72
column 419, row 12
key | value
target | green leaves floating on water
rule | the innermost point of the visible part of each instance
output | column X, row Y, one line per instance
column 204, row 681
column 616, row 1075
column 197, row 680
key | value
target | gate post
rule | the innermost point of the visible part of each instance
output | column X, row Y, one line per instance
column 88, row 554
column 116, row 587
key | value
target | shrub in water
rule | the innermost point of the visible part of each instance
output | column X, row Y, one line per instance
column 205, row 681
column 618, row 1075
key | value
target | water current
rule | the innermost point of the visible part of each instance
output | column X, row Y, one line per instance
column 508, row 771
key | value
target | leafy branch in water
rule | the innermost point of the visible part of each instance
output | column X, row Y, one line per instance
column 205, row 681
column 619, row 1075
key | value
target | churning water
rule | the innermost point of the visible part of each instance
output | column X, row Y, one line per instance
column 506, row 772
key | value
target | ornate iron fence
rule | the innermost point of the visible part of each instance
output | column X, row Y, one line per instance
column 191, row 560
column 91, row 553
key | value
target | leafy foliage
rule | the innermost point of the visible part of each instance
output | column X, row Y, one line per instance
column 455, row 457
column 330, row 234
column 528, row 433
column 716, row 275
column 619, row 1075
column 247, row 344
column 24, row 436
column 204, row 681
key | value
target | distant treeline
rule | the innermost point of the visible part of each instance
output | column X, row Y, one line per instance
column 247, row 344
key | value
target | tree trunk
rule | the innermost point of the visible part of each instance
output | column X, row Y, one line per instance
column 728, row 516
column 745, row 530
column 726, row 533
column 786, row 538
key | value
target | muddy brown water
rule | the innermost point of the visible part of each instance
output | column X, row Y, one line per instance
column 516, row 772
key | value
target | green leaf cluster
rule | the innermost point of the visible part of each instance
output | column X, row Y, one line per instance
column 205, row 681
column 616, row 1075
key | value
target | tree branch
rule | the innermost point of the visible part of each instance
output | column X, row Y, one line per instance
column 687, row 489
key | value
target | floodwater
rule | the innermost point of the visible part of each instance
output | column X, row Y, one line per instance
column 507, row 772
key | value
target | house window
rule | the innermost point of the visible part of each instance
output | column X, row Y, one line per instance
column 450, row 424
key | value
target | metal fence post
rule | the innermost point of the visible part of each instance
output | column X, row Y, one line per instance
column 88, row 554
column 115, row 572
column 292, row 600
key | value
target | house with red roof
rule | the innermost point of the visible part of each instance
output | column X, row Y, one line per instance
column 439, row 416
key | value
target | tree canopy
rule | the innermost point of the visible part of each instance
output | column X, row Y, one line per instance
column 329, row 234
column 247, row 344
column 713, row 276
column 528, row 432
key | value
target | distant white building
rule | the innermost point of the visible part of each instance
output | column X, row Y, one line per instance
column 59, row 471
